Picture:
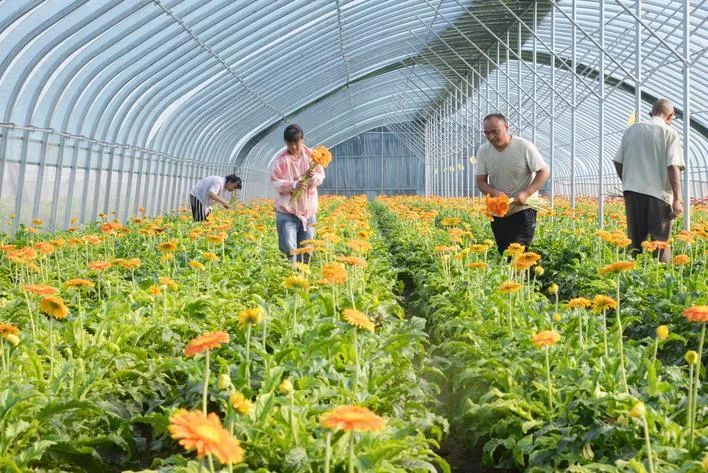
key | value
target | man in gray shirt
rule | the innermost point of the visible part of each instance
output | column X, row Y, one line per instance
column 513, row 166
column 649, row 164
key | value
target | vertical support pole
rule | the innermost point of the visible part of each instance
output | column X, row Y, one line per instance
column 574, row 107
column 552, row 121
column 518, row 73
column 687, row 114
column 533, row 66
column 638, row 62
column 506, row 89
column 601, row 134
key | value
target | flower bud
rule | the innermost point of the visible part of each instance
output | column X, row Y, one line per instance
column 286, row 387
column 539, row 271
column 556, row 317
column 13, row 339
column 691, row 357
column 553, row 289
column 224, row 382
column 662, row 332
column 639, row 410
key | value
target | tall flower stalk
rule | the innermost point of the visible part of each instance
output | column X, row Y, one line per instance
column 204, row 344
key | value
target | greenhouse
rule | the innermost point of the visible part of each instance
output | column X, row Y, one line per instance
column 353, row 236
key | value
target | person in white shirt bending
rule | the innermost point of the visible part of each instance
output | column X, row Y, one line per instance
column 209, row 190
column 513, row 166
column 649, row 163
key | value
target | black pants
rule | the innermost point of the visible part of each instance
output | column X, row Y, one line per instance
column 518, row 227
column 198, row 213
column 647, row 216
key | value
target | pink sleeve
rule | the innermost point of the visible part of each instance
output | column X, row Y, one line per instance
column 278, row 178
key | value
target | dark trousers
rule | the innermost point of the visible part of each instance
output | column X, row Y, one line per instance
column 198, row 214
column 518, row 227
column 647, row 216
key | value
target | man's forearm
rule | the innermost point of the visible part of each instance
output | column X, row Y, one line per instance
column 484, row 187
column 675, row 181
column 618, row 168
column 216, row 198
column 538, row 181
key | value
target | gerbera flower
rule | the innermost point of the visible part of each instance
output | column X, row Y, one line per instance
column 251, row 316
column 602, row 303
column 662, row 332
column 509, row 287
column 99, row 265
column 478, row 248
column 497, row 206
column 295, row 282
column 680, row 260
column 545, row 338
column 352, row 261
column 154, row 290
column 515, row 249
column 78, row 282
column 579, row 303
column 54, row 307
column 477, row 265
column 37, row 221
column 334, row 273
column 352, row 418
column 210, row 256
column 44, row 248
column 321, row 155
column 216, row 238
column 697, row 313
column 197, row 265
column 359, row 246
column 302, row 251
column 168, row 282
column 618, row 267
column 205, row 342
column 40, row 289
column 302, row 267
column 240, row 403
column 358, row 319
column 168, row 246
column 206, row 435
column 8, row 329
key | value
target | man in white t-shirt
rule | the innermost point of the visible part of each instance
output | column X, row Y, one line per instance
column 649, row 163
column 209, row 190
column 513, row 166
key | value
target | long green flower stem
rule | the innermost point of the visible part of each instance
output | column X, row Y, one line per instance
column 351, row 452
column 29, row 309
column 291, row 418
column 511, row 328
column 623, row 372
column 248, row 355
column 604, row 331
column 355, row 383
column 328, row 451
column 548, row 378
column 51, row 349
column 689, row 411
column 2, row 354
column 205, row 391
column 648, row 444
column 696, row 383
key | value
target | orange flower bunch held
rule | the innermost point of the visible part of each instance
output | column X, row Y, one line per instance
column 509, row 166
column 295, row 176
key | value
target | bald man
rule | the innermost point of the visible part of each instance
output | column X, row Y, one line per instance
column 649, row 164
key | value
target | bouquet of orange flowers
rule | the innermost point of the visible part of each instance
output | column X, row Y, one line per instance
column 320, row 157
column 499, row 206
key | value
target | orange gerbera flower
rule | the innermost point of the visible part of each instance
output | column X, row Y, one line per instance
column 515, row 249
column 509, row 287
column 477, row 265
column 352, row 418
column 602, row 303
column 352, row 261
column 579, row 303
column 477, row 248
column 40, row 289
column 78, row 282
column 44, row 248
column 168, row 246
column 359, row 246
column 210, row 256
column 450, row 221
column 206, row 435
column 681, row 260
column 321, row 155
column 497, row 206
column 8, row 329
column 618, row 267
column 205, row 342
column 168, row 282
column 99, row 265
column 197, row 265
column 697, row 313
column 358, row 319
column 251, row 316
column 545, row 338
column 334, row 273
column 216, row 238
column 302, row 251
column 54, row 307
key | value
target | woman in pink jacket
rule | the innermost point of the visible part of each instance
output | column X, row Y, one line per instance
column 292, row 170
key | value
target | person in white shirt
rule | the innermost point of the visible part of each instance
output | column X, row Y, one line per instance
column 209, row 190
column 513, row 166
column 649, row 163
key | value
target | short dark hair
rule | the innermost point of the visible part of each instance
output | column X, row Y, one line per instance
column 293, row 133
column 498, row 116
column 235, row 179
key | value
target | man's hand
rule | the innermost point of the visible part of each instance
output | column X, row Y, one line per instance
column 226, row 205
column 521, row 198
column 677, row 207
column 301, row 185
